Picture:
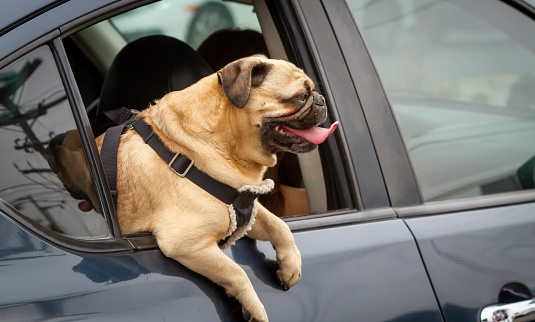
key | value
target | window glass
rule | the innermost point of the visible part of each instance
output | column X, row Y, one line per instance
column 190, row 21
column 221, row 32
column 460, row 76
column 34, row 112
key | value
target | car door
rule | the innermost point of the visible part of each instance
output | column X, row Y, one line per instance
column 459, row 77
column 366, row 247
column 360, row 260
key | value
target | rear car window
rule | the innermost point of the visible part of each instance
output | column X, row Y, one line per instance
column 33, row 111
column 460, row 81
column 190, row 21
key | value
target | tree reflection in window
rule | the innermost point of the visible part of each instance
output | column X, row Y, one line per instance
column 34, row 109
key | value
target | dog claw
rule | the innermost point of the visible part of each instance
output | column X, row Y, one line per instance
column 282, row 284
column 246, row 315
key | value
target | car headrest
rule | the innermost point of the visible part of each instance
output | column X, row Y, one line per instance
column 147, row 69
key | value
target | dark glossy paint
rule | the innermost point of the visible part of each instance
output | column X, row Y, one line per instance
column 472, row 255
column 45, row 282
column 43, row 24
column 14, row 12
column 347, row 272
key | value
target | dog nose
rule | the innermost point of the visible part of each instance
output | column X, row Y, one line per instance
column 319, row 99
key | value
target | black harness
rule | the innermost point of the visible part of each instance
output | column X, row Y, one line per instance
column 240, row 202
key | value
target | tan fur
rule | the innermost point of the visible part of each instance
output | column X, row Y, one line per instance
column 225, row 142
column 72, row 156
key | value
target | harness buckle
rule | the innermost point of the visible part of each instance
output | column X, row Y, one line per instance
column 183, row 174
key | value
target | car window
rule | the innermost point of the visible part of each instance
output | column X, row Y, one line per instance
column 190, row 21
column 300, row 187
column 34, row 112
column 460, row 77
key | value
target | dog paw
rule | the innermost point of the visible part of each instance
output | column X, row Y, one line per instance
column 289, row 272
column 286, row 280
column 249, row 317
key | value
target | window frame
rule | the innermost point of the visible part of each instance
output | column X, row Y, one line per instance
column 114, row 243
column 292, row 27
column 391, row 152
column 354, row 158
column 86, row 135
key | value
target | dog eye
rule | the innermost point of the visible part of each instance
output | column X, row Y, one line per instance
column 302, row 97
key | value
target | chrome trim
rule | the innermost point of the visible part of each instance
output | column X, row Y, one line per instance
column 518, row 312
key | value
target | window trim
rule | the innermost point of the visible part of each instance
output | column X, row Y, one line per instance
column 392, row 155
column 28, row 48
column 473, row 203
column 86, row 135
column 297, row 23
column 521, row 6
column 338, row 218
column 102, row 245
column 112, row 244
column 101, row 14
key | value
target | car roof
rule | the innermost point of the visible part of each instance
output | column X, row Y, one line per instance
column 13, row 11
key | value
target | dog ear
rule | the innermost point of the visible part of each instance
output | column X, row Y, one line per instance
column 238, row 77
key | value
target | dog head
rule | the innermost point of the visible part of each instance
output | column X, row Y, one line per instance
column 280, row 100
column 66, row 159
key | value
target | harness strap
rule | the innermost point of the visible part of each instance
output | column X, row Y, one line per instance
column 110, row 146
column 184, row 166
column 240, row 203
column 108, row 154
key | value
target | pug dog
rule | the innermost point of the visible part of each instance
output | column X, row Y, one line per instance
column 230, row 124
column 67, row 160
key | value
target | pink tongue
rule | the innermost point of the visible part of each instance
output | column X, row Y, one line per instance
column 85, row 206
column 314, row 135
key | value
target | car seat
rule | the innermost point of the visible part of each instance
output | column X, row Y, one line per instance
column 145, row 70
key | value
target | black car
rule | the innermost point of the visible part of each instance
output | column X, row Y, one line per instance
column 421, row 206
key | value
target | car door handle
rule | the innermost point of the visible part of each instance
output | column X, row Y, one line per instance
column 519, row 312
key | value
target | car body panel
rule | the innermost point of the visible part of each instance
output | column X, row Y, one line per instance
column 471, row 255
column 46, row 282
column 347, row 271
column 12, row 12
column 45, row 23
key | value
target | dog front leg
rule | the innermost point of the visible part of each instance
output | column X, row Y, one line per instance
column 212, row 263
column 268, row 227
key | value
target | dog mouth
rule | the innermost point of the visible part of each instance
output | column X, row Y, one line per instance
column 84, row 203
column 286, row 136
column 298, row 132
column 315, row 135
column 85, row 206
